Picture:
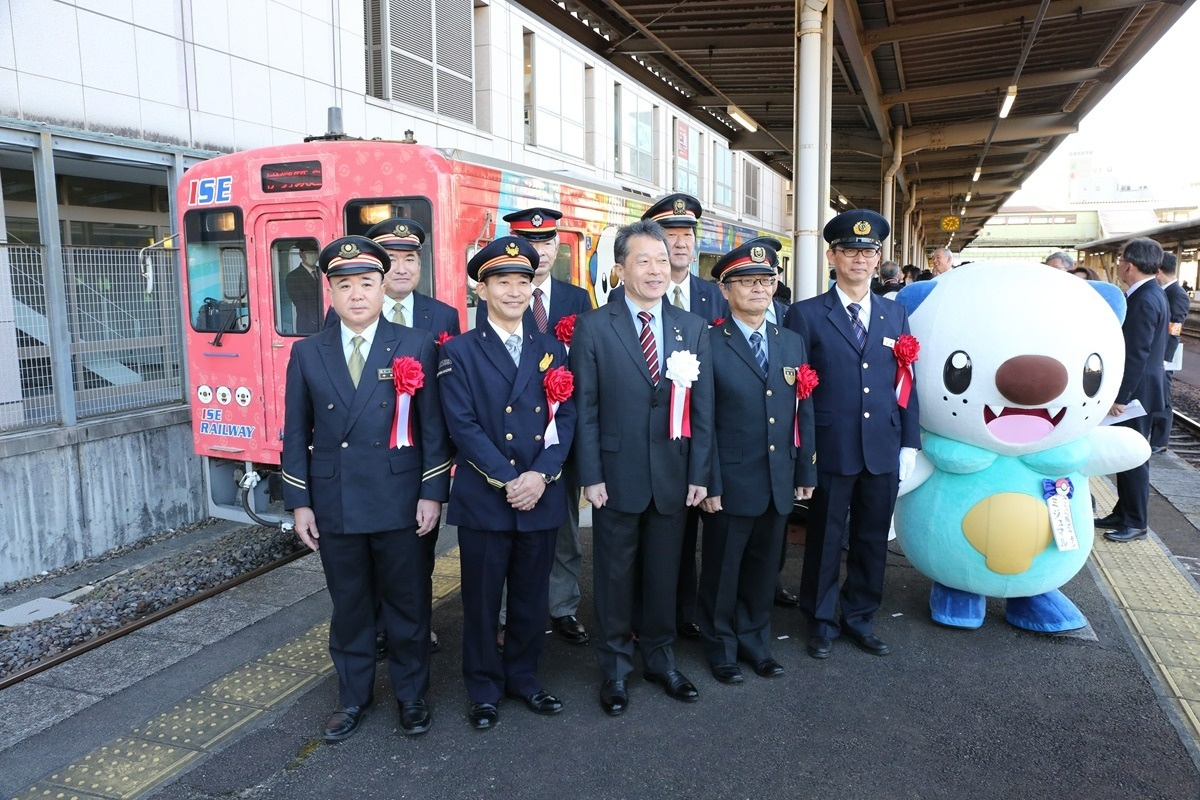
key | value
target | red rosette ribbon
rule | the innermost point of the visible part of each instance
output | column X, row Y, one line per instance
column 564, row 329
column 806, row 381
column 906, row 351
column 718, row 321
column 407, row 377
column 444, row 337
column 559, row 384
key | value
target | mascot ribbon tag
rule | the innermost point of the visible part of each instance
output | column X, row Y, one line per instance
column 1058, row 497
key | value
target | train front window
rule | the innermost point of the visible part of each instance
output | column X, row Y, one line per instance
column 215, row 249
column 298, row 285
column 361, row 215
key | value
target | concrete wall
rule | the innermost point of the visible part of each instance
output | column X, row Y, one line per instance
column 71, row 494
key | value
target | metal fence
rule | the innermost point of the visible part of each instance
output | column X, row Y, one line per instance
column 125, row 351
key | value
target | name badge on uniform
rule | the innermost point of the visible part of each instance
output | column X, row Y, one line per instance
column 789, row 375
column 889, row 342
column 385, row 374
column 1058, row 500
column 545, row 363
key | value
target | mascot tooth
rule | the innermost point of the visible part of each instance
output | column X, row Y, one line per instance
column 1019, row 364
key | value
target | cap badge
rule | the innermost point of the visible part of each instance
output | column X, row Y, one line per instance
column 862, row 227
column 758, row 254
column 680, row 206
column 789, row 375
column 402, row 230
column 537, row 220
column 349, row 250
column 512, row 249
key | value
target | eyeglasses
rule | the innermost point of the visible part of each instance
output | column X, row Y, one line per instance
column 765, row 281
column 855, row 252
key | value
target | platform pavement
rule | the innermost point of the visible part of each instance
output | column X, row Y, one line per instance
column 226, row 699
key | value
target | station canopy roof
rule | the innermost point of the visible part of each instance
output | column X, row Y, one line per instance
column 939, row 68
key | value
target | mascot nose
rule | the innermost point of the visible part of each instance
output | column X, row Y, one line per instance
column 1031, row 380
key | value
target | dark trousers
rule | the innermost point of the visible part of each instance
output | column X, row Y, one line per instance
column 685, row 587
column 738, row 568
column 1160, row 434
column 635, row 553
column 1133, row 485
column 355, row 566
column 488, row 559
column 869, row 500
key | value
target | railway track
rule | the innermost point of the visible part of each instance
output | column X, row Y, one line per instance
column 1185, row 438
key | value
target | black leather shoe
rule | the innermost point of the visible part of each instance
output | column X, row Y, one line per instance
column 1111, row 521
column 614, row 698
column 676, row 685
column 414, row 717
column 541, row 702
column 1125, row 534
column 767, row 668
column 483, row 716
column 868, row 642
column 727, row 673
column 435, row 644
column 819, row 646
column 342, row 723
column 786, row 599
column 689, row 630
column 381, row 646
column 571, row 629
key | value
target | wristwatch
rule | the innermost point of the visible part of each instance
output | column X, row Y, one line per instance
column 547, row 478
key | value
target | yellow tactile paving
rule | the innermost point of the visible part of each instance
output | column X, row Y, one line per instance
column 157, row 750
column 1161, row 607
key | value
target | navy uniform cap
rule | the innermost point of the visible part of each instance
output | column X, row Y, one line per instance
column 759, row 256
column 398, row 233
column 510, row 254
column 857, row 227
column 351, row 255
column 677, row 210
column 535, row 224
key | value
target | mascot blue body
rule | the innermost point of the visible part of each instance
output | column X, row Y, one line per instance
column 1019, row 364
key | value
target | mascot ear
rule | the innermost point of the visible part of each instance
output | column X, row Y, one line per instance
column 914, row 294
column 1113, row 296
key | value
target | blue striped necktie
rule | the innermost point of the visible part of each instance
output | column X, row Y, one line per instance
column 760, row 355
column 860, row 333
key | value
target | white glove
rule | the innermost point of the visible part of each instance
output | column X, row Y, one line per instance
column 908, row 462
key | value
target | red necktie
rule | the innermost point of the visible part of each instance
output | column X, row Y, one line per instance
column 649, row 350
column 539, row 311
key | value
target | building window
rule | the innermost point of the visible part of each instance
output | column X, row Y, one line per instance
column 722, row 175
column 554, row 97
column 687, row 158
column 750, row 173
column 420, row 52
column 634, row 134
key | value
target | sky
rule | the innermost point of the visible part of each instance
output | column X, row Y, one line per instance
column 1145, row 127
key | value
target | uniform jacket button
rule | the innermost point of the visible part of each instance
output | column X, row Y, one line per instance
column 866, row 415
column 508, row 437
column 770, row 393
column 508, row 409
column 330, row 406
column 345, row 444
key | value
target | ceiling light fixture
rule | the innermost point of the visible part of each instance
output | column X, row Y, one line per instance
column 978, row 172
column 741, row 118
column 1010, row 97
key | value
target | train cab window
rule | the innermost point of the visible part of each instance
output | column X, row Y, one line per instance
column 297, row 286
column 215, row 250
column 362, row 214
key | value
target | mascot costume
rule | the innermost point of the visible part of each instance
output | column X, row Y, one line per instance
column 1019, row 363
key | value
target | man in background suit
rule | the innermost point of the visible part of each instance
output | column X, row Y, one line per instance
column 304, row 290
column 506, row 499
column 1178, row 303
column 866, row 441
column 1145, row 332
column 758, row 469
column 640, row 471
column 363, row 506
column 551, row 301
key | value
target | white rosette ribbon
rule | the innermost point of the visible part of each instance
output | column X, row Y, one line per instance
column 683, row 369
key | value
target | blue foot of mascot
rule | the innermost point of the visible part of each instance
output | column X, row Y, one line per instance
column 1051, row 612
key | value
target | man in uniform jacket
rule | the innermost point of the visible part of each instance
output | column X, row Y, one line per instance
column 866, row 441
column 761, row 409
column 362, row 497
column 1178, row 304
column 505, row 393
column 551, row 301
column 1145, row 330
column 304, row 290
column 640, row 468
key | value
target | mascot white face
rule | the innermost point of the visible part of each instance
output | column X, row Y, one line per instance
column 1016, row 357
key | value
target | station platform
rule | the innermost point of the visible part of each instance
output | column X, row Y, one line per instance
column 226, row 699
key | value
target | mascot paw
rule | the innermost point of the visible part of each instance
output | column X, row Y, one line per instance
column 1051, row 612
column 956, row 608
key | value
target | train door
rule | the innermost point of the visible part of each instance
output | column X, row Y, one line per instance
column 287, row 248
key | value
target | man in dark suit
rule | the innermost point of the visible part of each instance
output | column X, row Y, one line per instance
column 512, row 426
column 639, row 363
column 1178, row 304
column 304, row 290
column 362, row 496
column 551, row 301
column 759, row 468
column 1145, row 330
column 866, row 441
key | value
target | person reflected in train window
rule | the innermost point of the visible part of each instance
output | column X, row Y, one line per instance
column 365, row 506
column 304, row 290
